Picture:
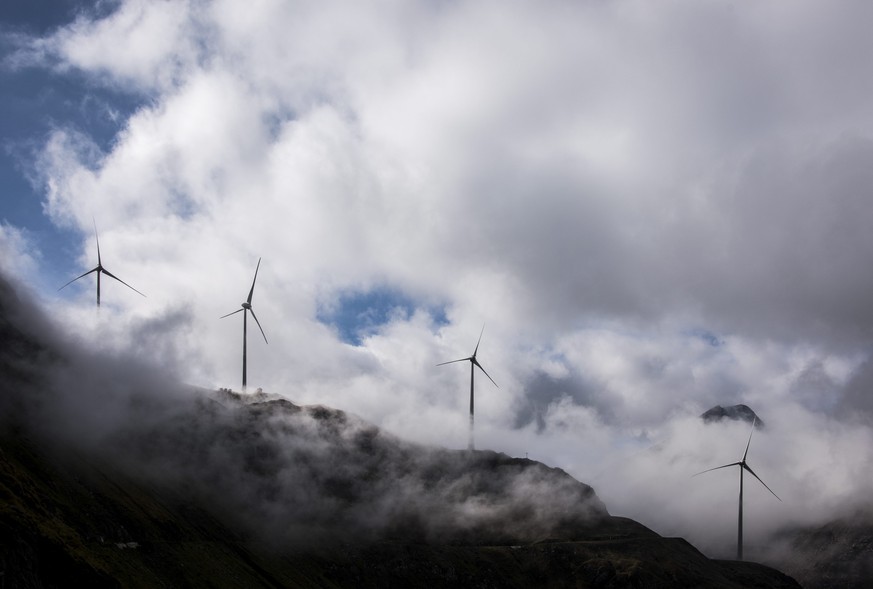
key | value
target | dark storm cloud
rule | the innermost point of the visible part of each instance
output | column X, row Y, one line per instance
column 777, row 245
column 856, row 402
column 544, row 390
column 793, row 246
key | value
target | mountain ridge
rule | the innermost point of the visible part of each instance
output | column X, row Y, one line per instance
column 72, row 518
column 114, row 475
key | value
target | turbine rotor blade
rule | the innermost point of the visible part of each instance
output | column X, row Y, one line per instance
column 99, row 263
column 749, row 468
column 259, row 325
column 749, row 443
column 483, row 370
column 252, row 291
column 453, row 361
column 78, row 277
column 233, row 313
column 111, row 275
column 717, row 467
column 478, row 342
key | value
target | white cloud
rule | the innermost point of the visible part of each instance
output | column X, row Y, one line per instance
column 18, row 255
column 149, row 43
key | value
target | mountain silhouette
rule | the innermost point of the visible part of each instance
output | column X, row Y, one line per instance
column 733, row 412
column 114, row 475
column 835, row 554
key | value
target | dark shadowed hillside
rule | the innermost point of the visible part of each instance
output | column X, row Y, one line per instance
column 113, row 475
column 64, row 516
column 836, row 554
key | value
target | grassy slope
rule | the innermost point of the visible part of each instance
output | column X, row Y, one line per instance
column 64, row 518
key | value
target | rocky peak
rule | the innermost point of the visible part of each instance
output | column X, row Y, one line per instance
column 734, row 412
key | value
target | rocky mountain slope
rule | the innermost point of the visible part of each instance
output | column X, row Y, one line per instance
column 838, row 554
column 112, row 475
column 733, row 412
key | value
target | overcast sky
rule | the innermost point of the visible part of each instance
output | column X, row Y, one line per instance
column 653, row 208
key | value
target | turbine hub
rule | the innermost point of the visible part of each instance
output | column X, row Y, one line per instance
column 246, row 305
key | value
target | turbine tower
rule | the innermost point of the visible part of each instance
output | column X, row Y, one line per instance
column 99, row 269
column 743, row 467
column 246, row 307
column 473, row 364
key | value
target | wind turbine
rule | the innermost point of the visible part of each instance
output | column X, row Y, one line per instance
column 473, row 364
column 743, row 467
column 99, row 270
column 246, row 307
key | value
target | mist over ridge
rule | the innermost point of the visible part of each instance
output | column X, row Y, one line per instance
column 289, row 475
column 114, row 471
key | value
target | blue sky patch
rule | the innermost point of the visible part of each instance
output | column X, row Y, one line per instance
column 358, row 314
column 35, row 101
column 707, row 336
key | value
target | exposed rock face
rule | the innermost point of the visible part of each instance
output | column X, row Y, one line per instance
column 734, row 412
